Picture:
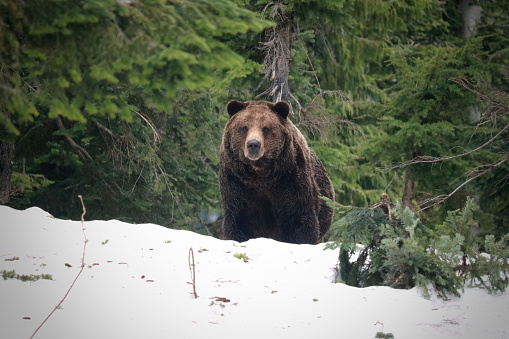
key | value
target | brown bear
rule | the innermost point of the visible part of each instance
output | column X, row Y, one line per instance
column 270, row 180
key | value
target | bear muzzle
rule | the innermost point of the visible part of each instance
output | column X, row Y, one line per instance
column 253, row 149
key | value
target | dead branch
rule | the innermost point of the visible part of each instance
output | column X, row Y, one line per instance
column 299, row 106
column 82, row 153
column 192, row 270
column 386, row 205
column 120, row 150
column 429, row 159
column 310, row 63
column 315, row 123
column 123, row 146
column 277, row 51
column 106, row 130
column 428, row 203
column 491, row 99
column 157, row 137
column 343, row 95
column 79, row 273
column 328, row 47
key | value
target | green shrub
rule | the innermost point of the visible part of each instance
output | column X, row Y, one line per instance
column 402, row 252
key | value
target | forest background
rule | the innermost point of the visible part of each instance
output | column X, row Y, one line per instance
column 123, row 102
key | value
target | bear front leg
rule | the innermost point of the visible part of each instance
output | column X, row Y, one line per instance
column 233, row 228
column 300, row 228
column 234, row 199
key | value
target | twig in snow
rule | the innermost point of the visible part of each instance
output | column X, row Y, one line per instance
column 79, row 273
column 193, row 272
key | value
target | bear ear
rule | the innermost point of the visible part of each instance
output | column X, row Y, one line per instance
column 282, row 108
column 234, row 107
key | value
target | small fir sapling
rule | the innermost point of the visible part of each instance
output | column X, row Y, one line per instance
column 402, row 252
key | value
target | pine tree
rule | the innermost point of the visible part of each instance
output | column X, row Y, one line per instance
column 436, row 112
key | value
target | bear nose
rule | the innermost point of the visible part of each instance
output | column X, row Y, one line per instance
column 253, row 146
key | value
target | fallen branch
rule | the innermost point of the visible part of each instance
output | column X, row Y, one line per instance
column 79, row 273
column 192, row 270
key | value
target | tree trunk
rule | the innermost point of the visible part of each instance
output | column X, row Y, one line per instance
column 277, row 49
column 283, row 58
column 6, row 162
column 408, row 192
column 471, row 14
column 471, row 18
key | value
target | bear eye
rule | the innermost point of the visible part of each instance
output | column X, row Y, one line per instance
column 265, row 130
column 244, row 129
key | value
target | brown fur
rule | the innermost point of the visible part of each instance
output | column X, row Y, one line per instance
column 270, row 180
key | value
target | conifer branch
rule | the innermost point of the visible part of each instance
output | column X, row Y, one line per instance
column 495, row 99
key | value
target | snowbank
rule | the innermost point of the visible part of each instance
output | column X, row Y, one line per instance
column 135, row 284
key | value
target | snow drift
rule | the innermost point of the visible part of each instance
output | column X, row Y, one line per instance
column 135, row 284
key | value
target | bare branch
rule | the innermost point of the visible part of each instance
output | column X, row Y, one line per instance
column 157, row 137
column 192, row 269
column 82, row 153
column 428, row 203
column 429, row 159
column 277, row 51
column 298, row 104
column 79, row 273
column 106, row 130
column 327, row 45
column 484, row 97
column 310, row 63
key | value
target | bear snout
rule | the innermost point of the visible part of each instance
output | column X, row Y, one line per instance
column 253, row 148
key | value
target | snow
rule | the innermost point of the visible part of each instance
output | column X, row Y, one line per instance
column 135, row 284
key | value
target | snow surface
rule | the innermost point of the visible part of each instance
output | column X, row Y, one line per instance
column 135, row 284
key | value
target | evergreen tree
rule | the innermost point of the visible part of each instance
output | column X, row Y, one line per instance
column 123, row 101
column 321, row 55
column 393, row 247
column 434, row 124
column 88, row 89
column 427, row 115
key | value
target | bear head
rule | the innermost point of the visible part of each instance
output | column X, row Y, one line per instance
column 256, row 129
